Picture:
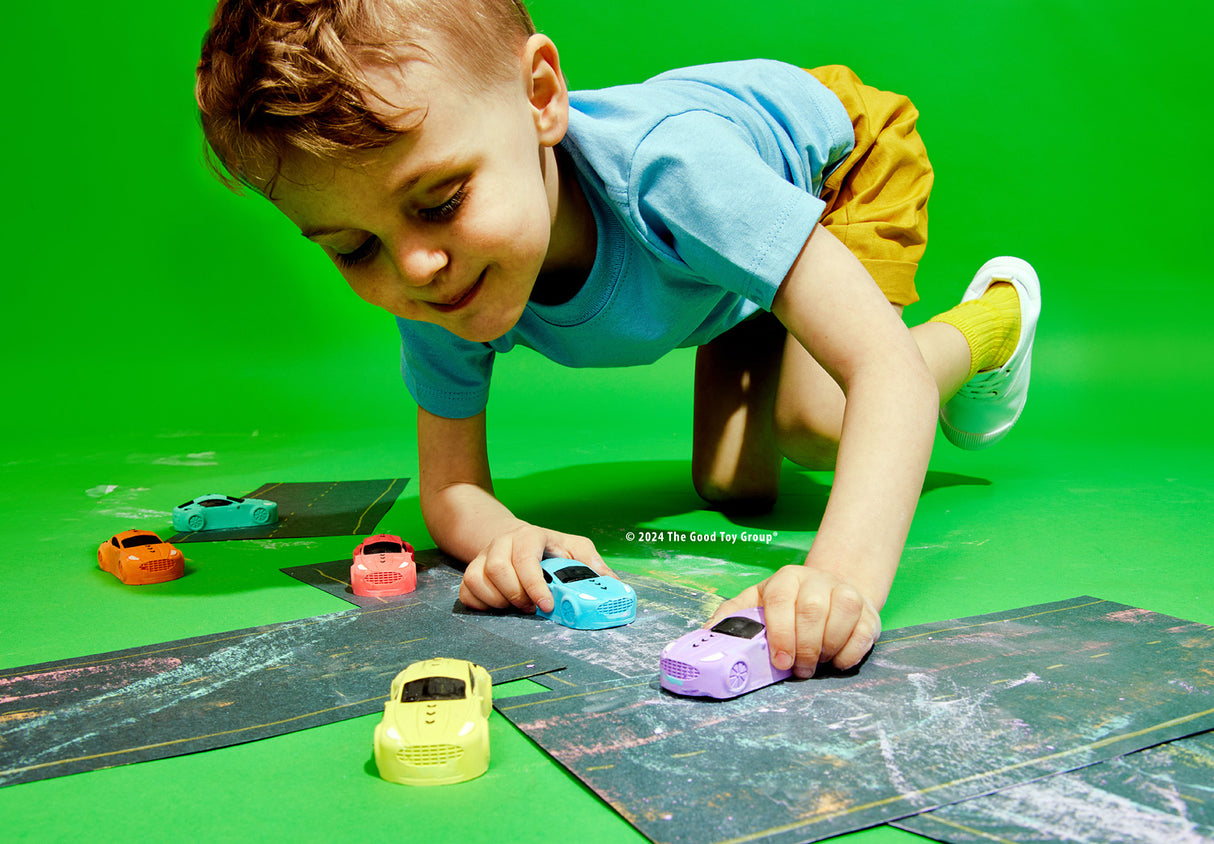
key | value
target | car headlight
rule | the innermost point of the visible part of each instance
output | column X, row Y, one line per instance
column 468, row 727
column 713, row 657
column 586, row 597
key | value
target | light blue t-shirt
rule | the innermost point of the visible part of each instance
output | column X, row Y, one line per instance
column 704, row 186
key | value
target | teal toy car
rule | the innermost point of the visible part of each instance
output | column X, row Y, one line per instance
column 218, row 512
column 584, row 599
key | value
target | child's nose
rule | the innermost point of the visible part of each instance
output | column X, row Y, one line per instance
column 419, row 263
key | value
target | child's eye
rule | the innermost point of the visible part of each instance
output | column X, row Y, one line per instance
column 447, row 210
column 365, row 252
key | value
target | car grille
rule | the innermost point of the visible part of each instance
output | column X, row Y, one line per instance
column 616, row 606
column 424, row 755
column 157, row 566
column 679, row 670
column 382, row 578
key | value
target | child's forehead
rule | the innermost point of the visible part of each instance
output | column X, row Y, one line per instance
column 304, row 174
column 431, row 106
column 437, row 135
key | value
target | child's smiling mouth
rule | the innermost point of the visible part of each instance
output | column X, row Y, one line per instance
column 460, row 301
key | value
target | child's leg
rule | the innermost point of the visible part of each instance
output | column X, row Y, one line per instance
column 810, row 404
column 735, row 461
column 740, row 436
column 979, row 353
column 877, row 206
column 750, row 409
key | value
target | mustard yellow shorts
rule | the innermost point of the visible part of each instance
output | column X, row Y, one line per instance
column 876, row 199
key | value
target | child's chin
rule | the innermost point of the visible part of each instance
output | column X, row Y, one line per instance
column 477, row 330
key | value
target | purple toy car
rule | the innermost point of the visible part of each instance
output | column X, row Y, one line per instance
column 729, row 660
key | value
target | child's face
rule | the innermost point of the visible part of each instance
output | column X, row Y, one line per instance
column 450, row 223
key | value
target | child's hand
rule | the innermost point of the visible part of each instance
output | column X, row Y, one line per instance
column 812, row 617
column 507, row 573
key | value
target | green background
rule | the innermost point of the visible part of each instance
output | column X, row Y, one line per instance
column 164, row 338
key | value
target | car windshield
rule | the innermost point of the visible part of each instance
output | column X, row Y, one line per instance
column 736, row 625
column 140, row 539
column 432, row 688
column 572, row 574
column 384, row 547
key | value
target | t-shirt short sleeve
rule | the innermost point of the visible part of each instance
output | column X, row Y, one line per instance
column 445, row 374
column 700, row 190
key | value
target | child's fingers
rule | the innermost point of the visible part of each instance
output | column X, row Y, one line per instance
column 812, row 617
column 846, row 613
column 517, row 573
column 813, row 613
column 788, row 629
column 528, row 550
column 581, row 549
column 476, row 591
column 745, row 599
column 492, row 578
column 862, row 639
column 469, row 598
column 535, row 590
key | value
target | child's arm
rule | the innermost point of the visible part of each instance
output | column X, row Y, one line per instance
column 827, row 609
column 467, row 522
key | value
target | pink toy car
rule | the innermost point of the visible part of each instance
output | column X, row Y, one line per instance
column 383, row 566
column 729, row 660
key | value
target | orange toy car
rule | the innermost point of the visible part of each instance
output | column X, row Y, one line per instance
column 140, row 557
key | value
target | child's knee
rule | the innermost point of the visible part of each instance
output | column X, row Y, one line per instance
column 737, row 493
column 807, row 439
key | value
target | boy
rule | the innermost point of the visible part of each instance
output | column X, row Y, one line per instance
column 432, row 149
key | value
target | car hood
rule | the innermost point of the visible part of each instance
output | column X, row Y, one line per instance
column 598, row 589
column 704, row 646
column 148, row 552
column 429, row 721
column 384, row 561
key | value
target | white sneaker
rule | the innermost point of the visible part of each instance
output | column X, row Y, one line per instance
column 986, row 408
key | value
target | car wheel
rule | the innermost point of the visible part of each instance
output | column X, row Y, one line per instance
column 568, row 615
column 261, row 516
column 738, row 675
column 196, row 521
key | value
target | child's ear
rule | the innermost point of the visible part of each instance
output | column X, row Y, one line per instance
column 546, row 89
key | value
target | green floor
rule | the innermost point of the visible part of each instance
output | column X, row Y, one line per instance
column 164, row 339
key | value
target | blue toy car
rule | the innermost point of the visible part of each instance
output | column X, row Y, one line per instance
column 216, row 512
column 584, row 599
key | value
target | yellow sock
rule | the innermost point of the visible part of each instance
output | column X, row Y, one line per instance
column 990, row 324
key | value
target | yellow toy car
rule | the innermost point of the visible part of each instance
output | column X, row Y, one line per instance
column 435, row 728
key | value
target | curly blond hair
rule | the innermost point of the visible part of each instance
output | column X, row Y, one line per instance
column 278, row 76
